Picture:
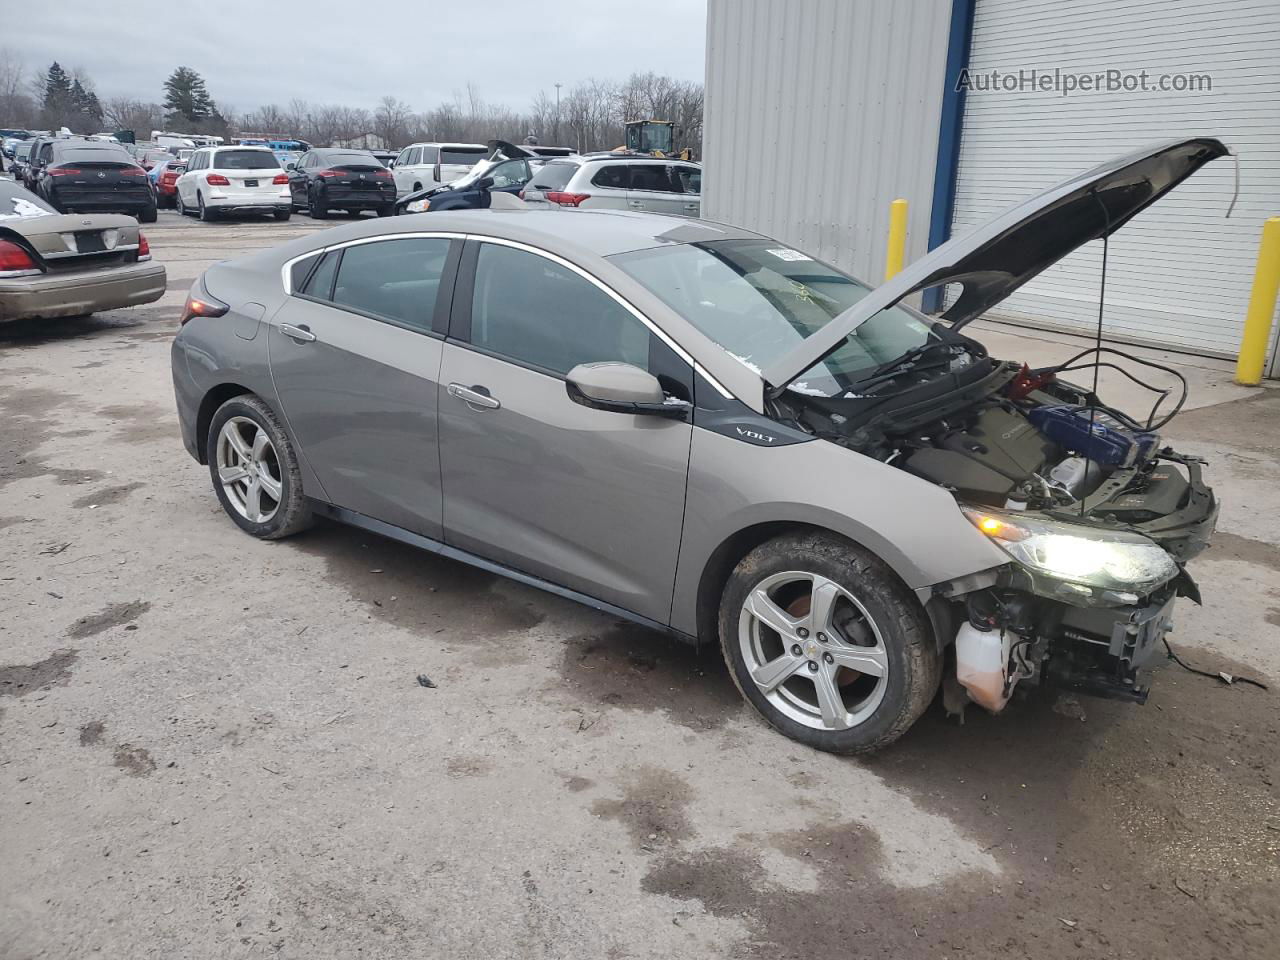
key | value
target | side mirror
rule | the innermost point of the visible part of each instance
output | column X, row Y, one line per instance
column 484, row 183
column 291, row 166
column 621, row 388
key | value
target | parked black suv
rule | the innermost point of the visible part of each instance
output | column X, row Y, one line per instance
column 95, row 176
column 350, row 180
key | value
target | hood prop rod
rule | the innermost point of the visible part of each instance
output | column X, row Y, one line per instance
column 1097, row 340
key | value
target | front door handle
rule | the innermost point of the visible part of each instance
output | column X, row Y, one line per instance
column 300, row 334
column 474, row 397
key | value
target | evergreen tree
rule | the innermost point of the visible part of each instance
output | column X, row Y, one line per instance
column 57, row 106
column 186, row 98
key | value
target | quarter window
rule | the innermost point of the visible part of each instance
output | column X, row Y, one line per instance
column 395, row 280
column 320, row 283
column 534, row 311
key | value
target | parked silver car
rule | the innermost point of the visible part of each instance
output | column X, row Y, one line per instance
column 618, row 182
column 708, row 432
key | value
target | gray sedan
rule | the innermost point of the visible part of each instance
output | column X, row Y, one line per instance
column 708, row 432
column 63, row 265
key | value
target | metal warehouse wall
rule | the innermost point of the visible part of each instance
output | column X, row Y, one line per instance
column 818, row 114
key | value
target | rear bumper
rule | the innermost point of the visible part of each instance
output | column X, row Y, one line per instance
column 263, row 202
column 72, row 294
column 358, row 199
column 101, row 202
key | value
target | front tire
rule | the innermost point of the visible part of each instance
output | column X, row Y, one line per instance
column 255, row 470
column 826, row 643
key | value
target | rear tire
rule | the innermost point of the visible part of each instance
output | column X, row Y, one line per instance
column 315, row 208
column 148, row 214
column 203, row 212
column 247, row 446
column 834, row 604
column 283, row 214
column 180, row 206
column 387, row 210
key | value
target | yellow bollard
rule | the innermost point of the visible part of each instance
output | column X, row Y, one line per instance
column 897, row 238
column 1262, row 307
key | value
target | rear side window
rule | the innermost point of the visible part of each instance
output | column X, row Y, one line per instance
column 614, row 176
column 395, row 280
column 653, row 177
column 246, row 160
column 554, row 176
column 534, row 311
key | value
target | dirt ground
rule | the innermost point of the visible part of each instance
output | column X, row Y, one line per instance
column 216, row 747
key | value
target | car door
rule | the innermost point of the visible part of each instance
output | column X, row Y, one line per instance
column 608, row 188
column 298, row 179
column 406, row 172
column 652, row 188
column 509, row 176
column 584, row 498
column 689, row 179
column 187, row 182
column 355, row 356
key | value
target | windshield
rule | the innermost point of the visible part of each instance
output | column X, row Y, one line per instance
column 245, row 160
column 759, row 299
column 352, row 159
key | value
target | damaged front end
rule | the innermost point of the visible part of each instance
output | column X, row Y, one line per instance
column 1097, row 515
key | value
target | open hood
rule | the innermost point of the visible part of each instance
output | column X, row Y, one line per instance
column 503, row 150
column 997, row 257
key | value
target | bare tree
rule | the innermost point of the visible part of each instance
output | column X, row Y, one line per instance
column 17, row 107
column 391, row 121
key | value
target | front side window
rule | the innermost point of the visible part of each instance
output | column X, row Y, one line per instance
column 689, row 179
column 395, row 280
column 511, row 173
column 534, row 311
column 758, row 299
column 415, row 156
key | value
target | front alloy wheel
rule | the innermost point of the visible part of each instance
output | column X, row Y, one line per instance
column 827, row 644
column 819, row 659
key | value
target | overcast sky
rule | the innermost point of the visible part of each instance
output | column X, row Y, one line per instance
column 253, row 52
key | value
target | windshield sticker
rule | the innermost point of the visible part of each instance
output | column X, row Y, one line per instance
column 746, row 363
column 23, row 209
column 784, row 253
column 802, row 387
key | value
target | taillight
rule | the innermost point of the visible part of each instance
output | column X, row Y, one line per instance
column 15, row 261
column 216, row 180
column 383, row 174
column 566, row 199
column 280, row 178
column 200, row 304
column 328, row 173
column 144, row 248
column 63, row 172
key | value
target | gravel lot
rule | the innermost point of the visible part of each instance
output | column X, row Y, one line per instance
column 216, row 747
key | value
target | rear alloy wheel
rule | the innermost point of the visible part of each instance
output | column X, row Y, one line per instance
column 179, row 205
column 316, row 208
column 827, row 644
column 203, row 212
column 255, row 471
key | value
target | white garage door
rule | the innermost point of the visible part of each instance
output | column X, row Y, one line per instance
column 1179, row 274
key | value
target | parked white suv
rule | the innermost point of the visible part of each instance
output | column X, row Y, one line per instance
column 619, row 182
column 422, row 165
column 234, row 180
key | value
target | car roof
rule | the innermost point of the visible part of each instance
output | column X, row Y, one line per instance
column 447, row 143
column 618, row 158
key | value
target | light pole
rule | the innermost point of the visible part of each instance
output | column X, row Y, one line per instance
column 556, row 135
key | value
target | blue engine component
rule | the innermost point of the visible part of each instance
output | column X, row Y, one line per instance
column 1110, row 443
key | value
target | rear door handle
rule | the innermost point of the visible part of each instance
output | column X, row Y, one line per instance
column 300, row 334
column 474, row 397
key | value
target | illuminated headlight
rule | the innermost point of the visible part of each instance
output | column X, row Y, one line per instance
column 1107, row 559
column 419, row 206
